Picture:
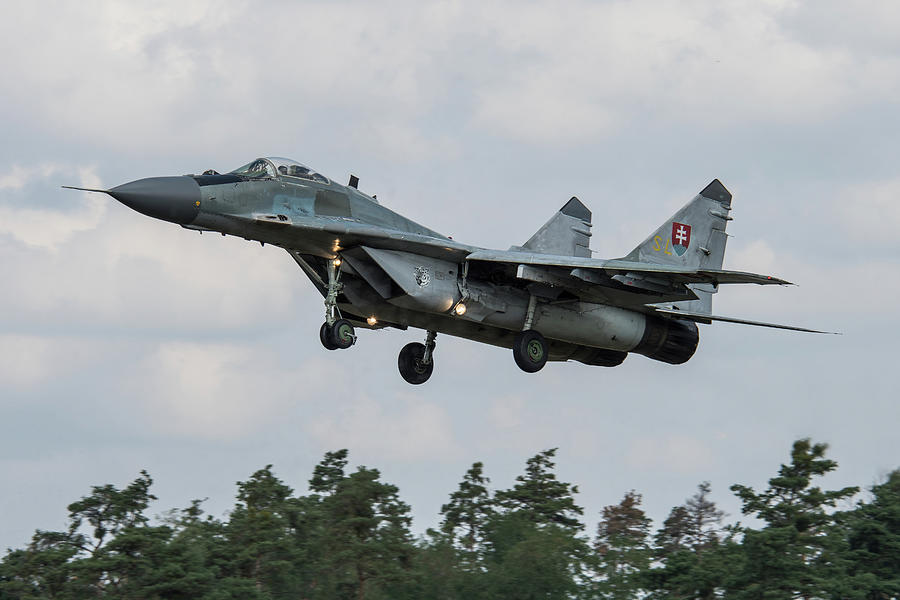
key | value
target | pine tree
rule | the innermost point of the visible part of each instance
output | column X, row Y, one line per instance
column 872, row 551
column 674, row 534
column 540, row 497
column 623, row 548
column 533, row 541
column 705, row 519
column 469, row 510
column 688, row 548
column 108, row 549
column 787, row 558
column 329, row 472
column 261, row 538
column 364, row 542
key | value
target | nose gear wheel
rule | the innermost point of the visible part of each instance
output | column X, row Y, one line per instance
column 338, row 336
column 325, row 337
column 342, row 334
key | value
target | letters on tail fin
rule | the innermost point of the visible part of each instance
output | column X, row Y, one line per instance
column 567, row 233
column 693, row 238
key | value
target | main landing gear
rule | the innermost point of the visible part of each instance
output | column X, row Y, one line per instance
column 530, row 348
column 336, row 332
column 416, row 361
column 530, row 351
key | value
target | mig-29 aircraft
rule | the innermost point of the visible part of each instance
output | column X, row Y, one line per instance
column 546, row 300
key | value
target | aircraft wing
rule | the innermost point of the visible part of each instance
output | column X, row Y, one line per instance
column 627, row 269
column 646, row 287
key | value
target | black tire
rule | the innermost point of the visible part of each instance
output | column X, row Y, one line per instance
column 342, row 335
column 530, row 351
column 410, row 364
column 325, row 337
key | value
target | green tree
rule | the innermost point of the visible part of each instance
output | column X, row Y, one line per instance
column 546, row 563
column 789, row 557
column 872, row 552
column 534, row 549
column 108, row 549
column 108, row 511
column 260, row 535
column 673, row 535
column 451, row 560
column 364, row 542
column 442, row 574
column 329, row 472
column 689, row 550
column 195, row 556
column 540, row 496
column 42, row 570
column 623, row 548
column 469, row 510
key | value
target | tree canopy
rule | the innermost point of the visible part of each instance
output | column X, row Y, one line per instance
column 349, row 537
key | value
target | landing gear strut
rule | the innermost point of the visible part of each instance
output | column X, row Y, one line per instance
column 530, row 349
column 336, row 332
column 416, row 361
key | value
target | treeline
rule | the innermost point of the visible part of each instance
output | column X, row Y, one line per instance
column 349, row 537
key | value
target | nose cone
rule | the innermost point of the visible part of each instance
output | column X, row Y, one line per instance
column 175, row 199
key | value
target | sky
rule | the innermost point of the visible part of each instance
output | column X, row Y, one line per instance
column 128, row 343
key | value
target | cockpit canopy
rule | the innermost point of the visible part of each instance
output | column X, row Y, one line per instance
column 274, row 166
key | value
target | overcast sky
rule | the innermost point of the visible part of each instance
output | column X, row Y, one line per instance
column 128, row 343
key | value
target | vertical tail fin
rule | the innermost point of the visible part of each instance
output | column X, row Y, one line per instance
column 567, row 233
column 694, row 238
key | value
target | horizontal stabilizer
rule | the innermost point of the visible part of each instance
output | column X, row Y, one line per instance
column 702, row 317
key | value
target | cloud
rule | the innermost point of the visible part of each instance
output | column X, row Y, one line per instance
column 869, row 212
column 208, row 390
column 42, row 227
column 757, row 256
column 24, row 360
column 413, row 431
column 104, row 265
column 170, row 73
column 507, row 412
column 30, row 362
column 867, row 27
column 586, row 70
column 566, row 76
column 670, row 453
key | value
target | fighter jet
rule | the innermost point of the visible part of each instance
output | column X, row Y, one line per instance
column 547, row 300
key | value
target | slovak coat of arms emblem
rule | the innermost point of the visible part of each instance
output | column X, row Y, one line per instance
column 681, row 238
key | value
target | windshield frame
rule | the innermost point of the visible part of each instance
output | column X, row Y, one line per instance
column 275, row 167
column 259, row 168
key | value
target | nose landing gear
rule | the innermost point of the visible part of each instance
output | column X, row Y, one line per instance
column 340, row 335
column 336, row 332
column 416, row 361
